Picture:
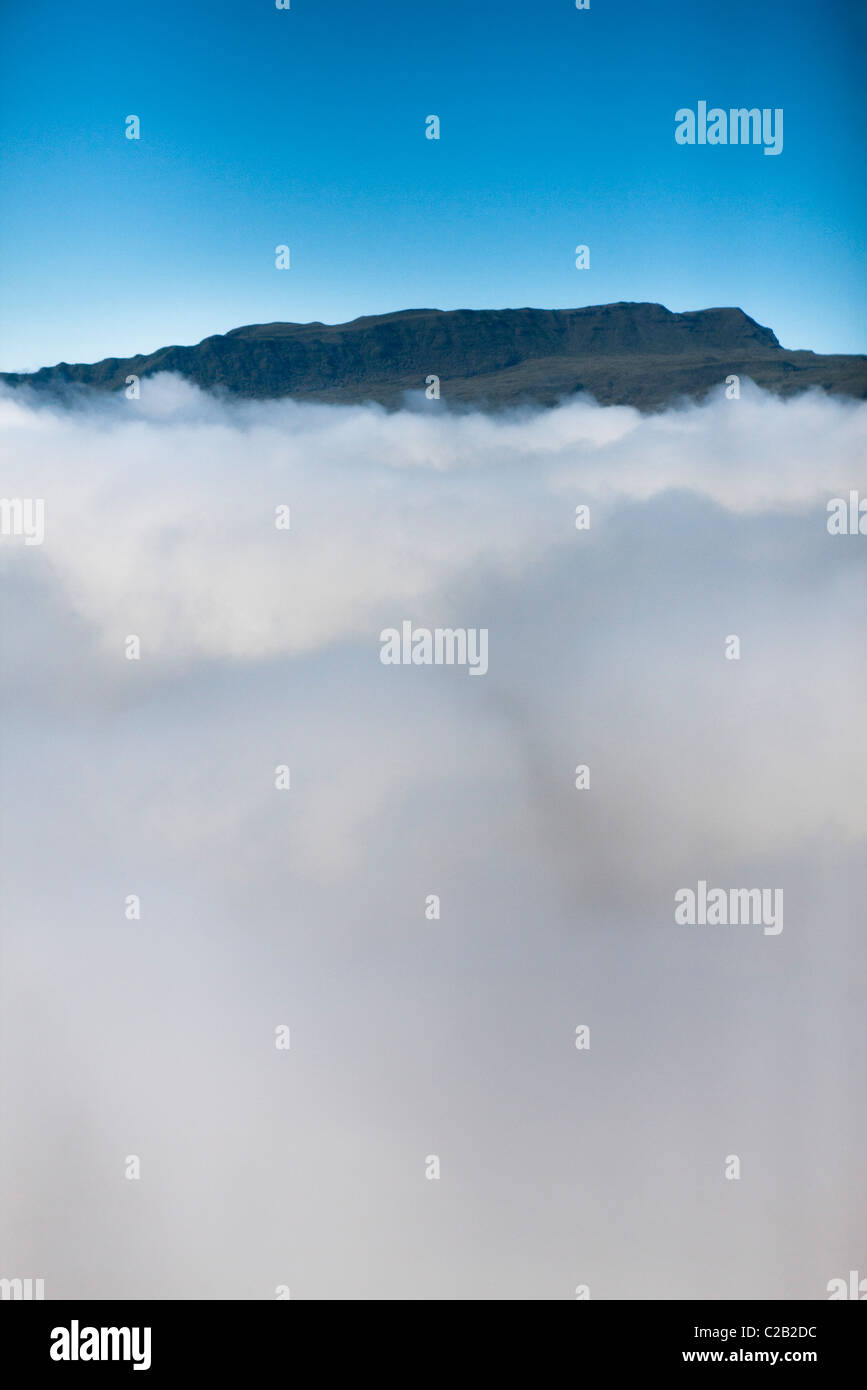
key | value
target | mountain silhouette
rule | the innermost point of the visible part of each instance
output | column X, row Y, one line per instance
column 622, row 354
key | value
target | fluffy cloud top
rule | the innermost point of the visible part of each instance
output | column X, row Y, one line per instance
column 260, row 908
column 160, row 512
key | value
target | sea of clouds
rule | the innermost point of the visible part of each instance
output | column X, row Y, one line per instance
column 411, row 1037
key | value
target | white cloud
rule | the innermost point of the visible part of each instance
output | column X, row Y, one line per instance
column 160, row 512
column 410, row 1037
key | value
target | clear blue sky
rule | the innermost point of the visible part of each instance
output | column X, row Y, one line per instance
column 306, row 127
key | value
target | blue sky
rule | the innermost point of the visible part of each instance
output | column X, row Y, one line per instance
column 306, row 127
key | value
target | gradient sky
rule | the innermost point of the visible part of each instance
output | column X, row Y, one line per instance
column 306, row 127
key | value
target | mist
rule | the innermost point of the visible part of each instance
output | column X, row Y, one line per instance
column 307, row 908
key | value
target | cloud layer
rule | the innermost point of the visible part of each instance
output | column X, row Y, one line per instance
column 411, row 1037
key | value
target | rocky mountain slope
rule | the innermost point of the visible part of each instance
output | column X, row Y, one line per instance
column 623, row 354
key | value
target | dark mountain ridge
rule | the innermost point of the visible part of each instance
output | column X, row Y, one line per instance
column 622, row 354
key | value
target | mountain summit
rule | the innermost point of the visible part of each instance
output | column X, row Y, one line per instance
column 622, row 354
